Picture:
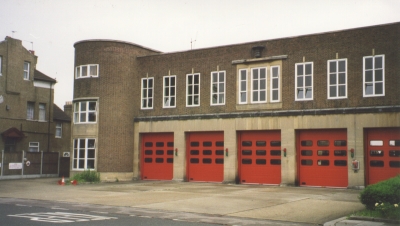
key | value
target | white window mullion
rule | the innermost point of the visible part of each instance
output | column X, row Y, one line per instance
column 193, row 90
column 304, row 81
column 243, row 86
column 217, row 96
column 259, row 85
column 374, row 76
column 275, row 84
column 169, row 91
column 147, row 93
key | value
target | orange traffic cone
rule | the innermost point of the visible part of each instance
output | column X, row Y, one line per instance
column 74, row 182
column 62, row 181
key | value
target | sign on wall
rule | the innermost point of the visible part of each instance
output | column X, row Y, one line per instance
column 14, row 165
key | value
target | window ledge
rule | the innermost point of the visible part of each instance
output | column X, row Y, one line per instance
column 263, row 106
column 254, row 60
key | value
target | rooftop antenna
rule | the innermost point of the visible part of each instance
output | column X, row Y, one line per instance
column 13, row 33
column 191, row 43
column 32, row 45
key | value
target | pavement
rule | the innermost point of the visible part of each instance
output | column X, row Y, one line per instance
column 230, row 204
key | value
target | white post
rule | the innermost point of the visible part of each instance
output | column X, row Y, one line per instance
column 41, row 162
column 2, row 162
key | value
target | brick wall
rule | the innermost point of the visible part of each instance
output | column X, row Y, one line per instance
column 319, row 48
column 116, row 89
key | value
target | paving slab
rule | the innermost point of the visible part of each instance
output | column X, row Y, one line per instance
column 306, row 210
column 284, row 204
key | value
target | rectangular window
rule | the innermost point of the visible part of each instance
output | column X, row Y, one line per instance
column 218, row 88
column 42, row 112
column 304, row 81
column 58, row 130
column 86, row 71
column 275, row 84
column 337, row 79
column 243, row 86
column 147, row 93
column 374, row 76
column 85, row 111
column 30, row 110
column 33, row 146
column 84, row 154
column 26, row 70
column 192, row 90
column 169, row 95
column 258, row 85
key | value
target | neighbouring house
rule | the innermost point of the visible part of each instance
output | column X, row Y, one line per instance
column 33, row 129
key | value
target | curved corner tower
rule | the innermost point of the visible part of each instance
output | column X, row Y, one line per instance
column 105, row 80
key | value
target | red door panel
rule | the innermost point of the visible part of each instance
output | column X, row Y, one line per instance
column 259, row 156
column 382, row 154
column 322, row 158
column 205, row 156
column 157, row 156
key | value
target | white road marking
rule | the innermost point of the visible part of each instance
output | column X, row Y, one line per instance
column 61, row 217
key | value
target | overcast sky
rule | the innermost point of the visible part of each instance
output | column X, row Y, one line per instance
column 170, row 25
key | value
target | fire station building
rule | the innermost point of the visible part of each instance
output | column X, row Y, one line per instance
column 315, row 110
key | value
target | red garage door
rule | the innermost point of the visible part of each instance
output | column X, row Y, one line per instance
column 322, row 158
column 157, row 156
column 205, row 156
column 260, row 157
column 383, row 154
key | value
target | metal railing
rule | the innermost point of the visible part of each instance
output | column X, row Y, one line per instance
column 16, row 165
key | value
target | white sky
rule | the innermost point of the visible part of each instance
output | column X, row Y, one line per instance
column 170, row 25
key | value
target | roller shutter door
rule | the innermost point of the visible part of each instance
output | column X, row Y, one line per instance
column 205, row 156
column 382, row 154
column 260, row 157
column 157, row 156
column 322, row 158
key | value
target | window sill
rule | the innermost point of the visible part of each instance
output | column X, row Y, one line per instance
column 263, row 106
column 381, row 95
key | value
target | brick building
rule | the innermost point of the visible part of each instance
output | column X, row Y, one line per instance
column 312, row 110
column 29, row 119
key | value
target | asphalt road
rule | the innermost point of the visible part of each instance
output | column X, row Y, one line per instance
column 43, row 213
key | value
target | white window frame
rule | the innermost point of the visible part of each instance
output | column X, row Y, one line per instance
column 83, row 71
column 337, row 74
column 373, row 82
column 258, row 89
column 58, row 133
column 30, row 110
column 243, row 85
column 277, row 78
column 167, row 96
column 193, row 95
column 147, row 101
column 42, row 112
column 27, row 67
column 76, row 162
column 33, row 147
column 304, row 87
column 218, row 91
column 86, row 112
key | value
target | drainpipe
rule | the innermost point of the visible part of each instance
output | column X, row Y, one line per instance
column 48, row 128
